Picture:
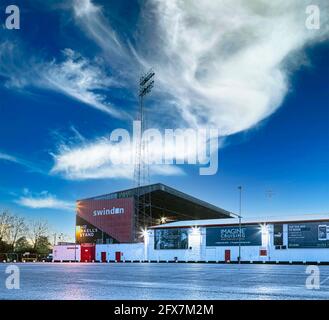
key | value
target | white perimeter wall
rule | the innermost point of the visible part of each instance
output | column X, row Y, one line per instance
column 130, row 251
column 200, row 252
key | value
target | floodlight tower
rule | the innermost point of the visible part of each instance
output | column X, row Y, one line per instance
column 146, row 85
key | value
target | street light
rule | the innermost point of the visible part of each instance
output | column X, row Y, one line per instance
column 240, row 231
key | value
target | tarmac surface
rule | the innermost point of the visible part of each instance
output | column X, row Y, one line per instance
column 161, row 281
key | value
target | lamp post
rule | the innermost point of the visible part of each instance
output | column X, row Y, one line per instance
column 75, row 244
column 240, row 228
column 141, row 171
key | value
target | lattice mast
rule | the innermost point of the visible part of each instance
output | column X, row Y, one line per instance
column 143, row 210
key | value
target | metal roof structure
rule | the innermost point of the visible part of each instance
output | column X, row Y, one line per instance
column 171, row 203
column 244, row 221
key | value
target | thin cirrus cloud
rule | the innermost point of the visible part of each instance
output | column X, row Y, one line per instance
column 227, row 63
column 222, row 64
column 21, row 162
column 102, row 159
column 44, row 200
column 80, row 78
column 7, row 157
column 75, row 76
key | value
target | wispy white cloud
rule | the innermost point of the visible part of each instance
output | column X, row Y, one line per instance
column 224, row 64
column 44, row 200
column 91, row 19
column 19, row 161
column 7, row 157
column 75, row 76
column 82, row 80
column 102, row 159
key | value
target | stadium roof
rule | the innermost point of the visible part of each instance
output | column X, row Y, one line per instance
column 170, row 203
column 255, row 220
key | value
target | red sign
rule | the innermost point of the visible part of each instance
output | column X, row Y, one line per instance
column 113, row 217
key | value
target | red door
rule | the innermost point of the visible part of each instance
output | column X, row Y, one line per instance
column 103, row 257
column 87, row 252
column 227, row 255
column 118, row 256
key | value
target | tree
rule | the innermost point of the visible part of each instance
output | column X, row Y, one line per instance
column 23, row 245
column 17, row 229
column 5, row 224
column 43, row 246
column 38, row 231
column 4, row 247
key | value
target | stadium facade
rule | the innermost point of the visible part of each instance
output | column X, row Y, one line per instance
column 173, row 226
column 121, row 217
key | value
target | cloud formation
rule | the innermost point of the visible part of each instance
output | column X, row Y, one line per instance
column 75, row 76
column 19, row 161
column 222, row 64
column 7, row 157
column 219, row 63
column 44, row 200
column 102, row 159
column 225, row 63
column 82, row 80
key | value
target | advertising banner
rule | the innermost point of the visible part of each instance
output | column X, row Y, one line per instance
column 278, row 234
column 229, row 236
column 308, row 235
column 87, row 233
column 171, row 239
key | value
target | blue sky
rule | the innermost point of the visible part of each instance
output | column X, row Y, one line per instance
column 69, row 77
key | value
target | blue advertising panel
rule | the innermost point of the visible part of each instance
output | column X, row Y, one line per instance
column 308, row 235
column 229, row 236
